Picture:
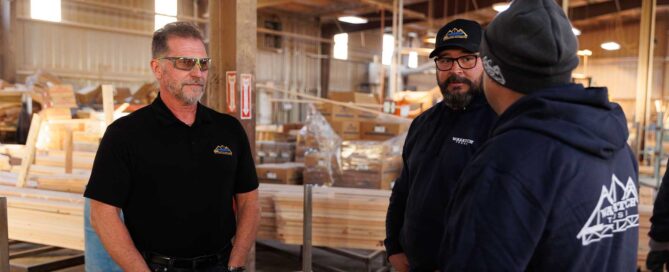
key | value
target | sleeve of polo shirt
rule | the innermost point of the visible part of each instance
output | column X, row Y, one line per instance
column 110, row 178
column 247, row 179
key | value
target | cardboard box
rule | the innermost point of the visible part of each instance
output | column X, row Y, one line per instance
column 342, row 113
column 319, row 160
column 381, row 131
column 333, row 112
column 283, row 173
column 318, row 177
column 360, row 99
column 367, row 179
column 381, row 165
column 354, row 97
column 347, row 130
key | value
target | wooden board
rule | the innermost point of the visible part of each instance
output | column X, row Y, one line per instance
column 342, row 217
column 56, row 229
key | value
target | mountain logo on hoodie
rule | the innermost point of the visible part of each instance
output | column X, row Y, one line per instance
column 613, row 213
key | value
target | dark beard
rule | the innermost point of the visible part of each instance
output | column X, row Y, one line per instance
column 458, row 101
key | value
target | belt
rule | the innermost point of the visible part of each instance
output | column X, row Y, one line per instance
column 195, row 262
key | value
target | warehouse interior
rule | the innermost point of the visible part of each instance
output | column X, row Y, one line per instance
column 325, row 89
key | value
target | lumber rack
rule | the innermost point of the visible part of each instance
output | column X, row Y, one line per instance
column 306, row 249
column 367, row 259
column 29, row 257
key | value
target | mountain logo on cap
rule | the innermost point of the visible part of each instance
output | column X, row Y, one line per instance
column 493, row 70
column 455, row 33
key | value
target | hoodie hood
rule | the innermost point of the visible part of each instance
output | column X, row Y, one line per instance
column 583, row 118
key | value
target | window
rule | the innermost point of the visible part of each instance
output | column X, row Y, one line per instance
column 413, row 59
column 47, row 10
column 340, row 46
column 388, row 49
column 166, row 12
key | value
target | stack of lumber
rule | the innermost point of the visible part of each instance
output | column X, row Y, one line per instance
column 341, row 217
column 267, row 228
column 45, row 217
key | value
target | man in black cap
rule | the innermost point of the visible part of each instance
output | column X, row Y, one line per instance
column 555, row 186
column 439, row 144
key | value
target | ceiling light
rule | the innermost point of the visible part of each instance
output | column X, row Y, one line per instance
column 431, row 40
column 576, row 31
column 352, row 20
column 500, row 7
column 610, row 46
column 585, row 52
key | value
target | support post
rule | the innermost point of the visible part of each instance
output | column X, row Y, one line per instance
column 4, row 236
column 644, row 71
column 306, row 229
column 232, row 47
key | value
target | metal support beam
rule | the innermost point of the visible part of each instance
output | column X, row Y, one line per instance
column 382, row 5
column 271, row 3
column 33, row 251
column 65, row 262
column 306, row 229
column 644, row 71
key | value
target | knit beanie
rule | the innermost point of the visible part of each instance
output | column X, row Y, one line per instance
column 530, row 46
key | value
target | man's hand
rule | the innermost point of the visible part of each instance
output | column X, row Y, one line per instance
column 400, row 262
column 657, row 260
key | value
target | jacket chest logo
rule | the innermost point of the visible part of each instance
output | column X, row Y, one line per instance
column 614, row 213
column 462, row 141
column 223, row 150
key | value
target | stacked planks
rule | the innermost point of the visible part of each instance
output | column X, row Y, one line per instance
column 46, row 217
column 341, row 217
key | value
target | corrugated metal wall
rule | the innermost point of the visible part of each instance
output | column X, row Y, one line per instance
column 94, row 44
column 109, row 42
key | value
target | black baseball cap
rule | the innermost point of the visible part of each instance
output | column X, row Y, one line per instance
column 459, row 33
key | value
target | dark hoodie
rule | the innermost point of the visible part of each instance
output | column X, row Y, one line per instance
column 439, row 144
column 659, row 230
column 553, row 189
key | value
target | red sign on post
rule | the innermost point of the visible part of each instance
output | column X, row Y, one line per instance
column 231, row 90
column 247, row 85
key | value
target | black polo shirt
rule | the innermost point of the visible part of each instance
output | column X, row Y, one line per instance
column 175, row 183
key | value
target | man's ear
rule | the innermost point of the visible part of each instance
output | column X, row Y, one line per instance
column 156, row 68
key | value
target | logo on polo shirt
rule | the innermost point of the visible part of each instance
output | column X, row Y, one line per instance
column 615, row 212
column 222, row 150
column 462, row 141
column 455, row 33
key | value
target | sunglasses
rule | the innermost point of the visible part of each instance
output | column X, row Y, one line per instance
column 187, row 63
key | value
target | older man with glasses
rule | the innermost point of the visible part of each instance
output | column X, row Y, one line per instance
column 174, row 168
column 440, row 143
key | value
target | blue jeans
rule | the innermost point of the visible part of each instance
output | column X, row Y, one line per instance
column 97, row 258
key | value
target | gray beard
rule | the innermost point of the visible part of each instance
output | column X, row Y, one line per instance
column 181, row 95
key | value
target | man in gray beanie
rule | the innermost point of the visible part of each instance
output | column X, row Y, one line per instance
column 555, row 186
